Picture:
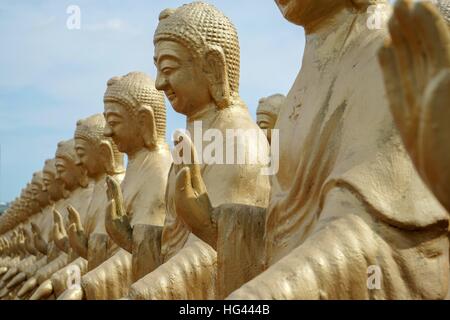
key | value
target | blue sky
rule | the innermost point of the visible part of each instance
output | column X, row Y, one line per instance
column 51, row 76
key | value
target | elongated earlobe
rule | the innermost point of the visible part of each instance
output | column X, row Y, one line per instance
column 107, row 155
column 216, row 72
column 83, row 178
column 147, row 126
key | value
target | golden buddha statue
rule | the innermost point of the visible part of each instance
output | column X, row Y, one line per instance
column 100, row 158
column 14, row 275
column 43, row 228
column 78, row 192
column 34, row 259
column 267, row 113
column 136, row 121
column 197, row 58
column 349, row 217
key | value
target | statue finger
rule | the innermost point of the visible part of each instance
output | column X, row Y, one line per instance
column 403, row 60
column 184, row 185
column 434, row 33
column 394, row 89
column 403, row 14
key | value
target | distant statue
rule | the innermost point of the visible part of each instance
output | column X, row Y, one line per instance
column 267, row 113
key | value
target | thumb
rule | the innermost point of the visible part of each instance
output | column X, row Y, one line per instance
column 75, row 217
column 57, row 217
column 184, row 183
column 72, row 229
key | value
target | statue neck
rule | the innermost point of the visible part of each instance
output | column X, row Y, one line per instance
column 329, row 39
column 137, row 157
column 205, row 117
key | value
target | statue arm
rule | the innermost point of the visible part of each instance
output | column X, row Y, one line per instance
column 336, row 261
column 190, row 274
column 110, row 280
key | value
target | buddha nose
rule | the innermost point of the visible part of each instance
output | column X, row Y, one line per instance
column 160, row 82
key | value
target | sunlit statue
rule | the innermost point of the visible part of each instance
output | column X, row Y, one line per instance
column 346, row 199
column 136, row 121
column 15, row 275
column 34, row 259
column 267, row 113
column 100, row 158
column 78, row 192
column 42, row 227
column 197, row 58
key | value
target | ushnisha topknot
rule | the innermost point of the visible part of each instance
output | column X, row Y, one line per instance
column 66, row 150
column 49, row 167
column 137, row 90
column 37, row 178
column 91, row 130
column 444, row 8
column 199, row 26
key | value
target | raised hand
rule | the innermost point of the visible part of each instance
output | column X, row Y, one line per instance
column 29, row 243
column 191, row 197
column 77, row 236
column 416, row 67
column 59, row 232
column 39, row 243
column 117, row 223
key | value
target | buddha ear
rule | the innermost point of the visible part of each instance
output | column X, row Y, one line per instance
column 83, row 178
column 107, row 155
column 147, row 124
column 216, row 71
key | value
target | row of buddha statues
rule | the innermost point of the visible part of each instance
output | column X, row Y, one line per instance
column 363, row 180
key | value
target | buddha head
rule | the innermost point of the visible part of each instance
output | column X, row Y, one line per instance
column 267, row 112
column 52, row 185
column 68, row 172
column 37, row 191
column 29, row 204
column 135, row 113
column 197, row 58
column 95, row 152
column 310, row 12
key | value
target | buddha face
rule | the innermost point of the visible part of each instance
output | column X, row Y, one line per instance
column 266, row 121
column 303, row 12
column 89, row 157
column 67, row 171
column 39, row 195
column 51, row 186
column 122, row 128
column 181, row 78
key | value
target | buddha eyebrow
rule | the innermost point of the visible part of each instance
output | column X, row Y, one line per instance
column 165, row 56
column 113, row 113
